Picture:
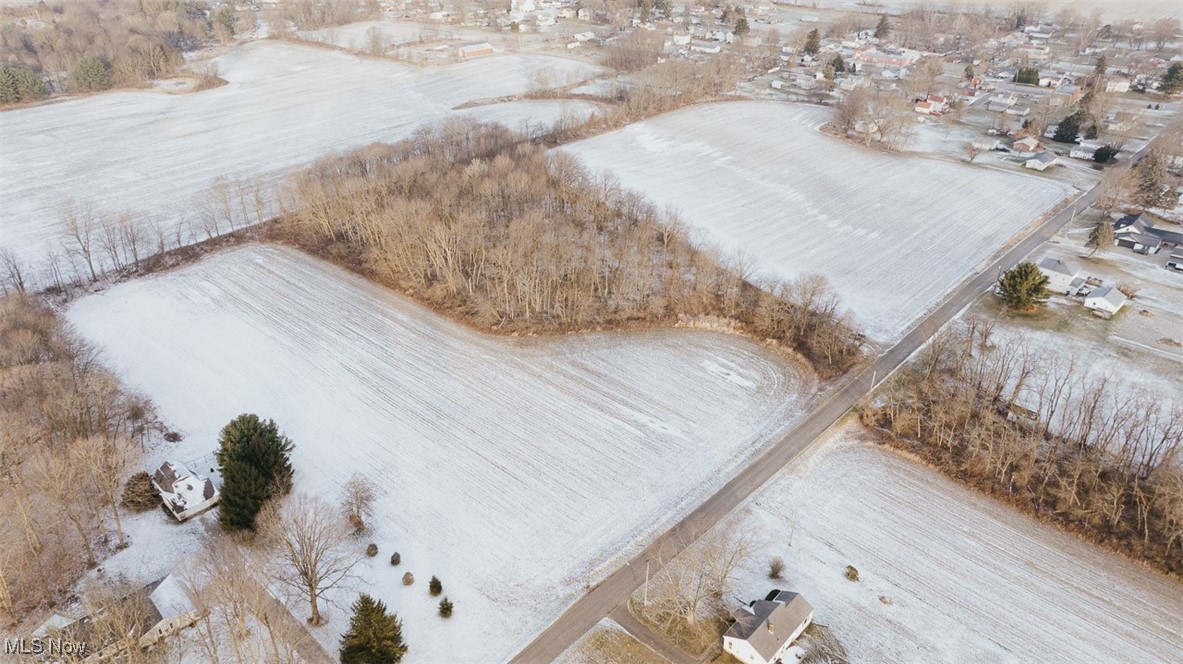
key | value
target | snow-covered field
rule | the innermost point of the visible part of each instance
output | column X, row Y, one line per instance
column 947, row 574
column 285, row 105
column 516, row 470
column 891, row 232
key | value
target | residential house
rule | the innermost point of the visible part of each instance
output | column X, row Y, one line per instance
column 1105, row 301
column 185, row 493
column 925, row 108
column 1065, row 95
column 985, row 143
column 1084, row 150
column 174, row 609
column 1001, row 101
column 1020, row 111
column 1042, row 161
column 1034, row 51
column 1061, row 278
column 1028, row 146
column 765, row 629
column 1139, row 233
column 938, row 103
column 1117, row 85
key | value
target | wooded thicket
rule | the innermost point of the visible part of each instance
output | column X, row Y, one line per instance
column 481, row 223
column 69, row 436
column 1041, row 430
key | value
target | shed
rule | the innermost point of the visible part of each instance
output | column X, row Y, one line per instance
column 1105, row 301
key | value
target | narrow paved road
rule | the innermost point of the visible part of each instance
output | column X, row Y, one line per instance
column 614, row 590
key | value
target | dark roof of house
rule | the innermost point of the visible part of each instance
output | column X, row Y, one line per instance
column 1141, row 227
column 767, row 624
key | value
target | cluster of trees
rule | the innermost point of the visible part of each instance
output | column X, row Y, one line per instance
column 88, row 45
column 479, row 222
column 1150, row 185
column 69, row 436
column 687, row 599
column 873, row 114
column 1038, row 428
column 316, row 14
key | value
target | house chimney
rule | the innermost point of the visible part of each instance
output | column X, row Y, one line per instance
column 770, row 629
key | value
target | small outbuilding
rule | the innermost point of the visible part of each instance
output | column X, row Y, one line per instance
column 470, row 51
column 765, row 629
column 1105, row 301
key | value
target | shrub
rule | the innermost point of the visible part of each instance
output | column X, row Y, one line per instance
column 18, row 85
column 851, row 573
column 139, row 494
column 395, row 559
column 371, row 549
column 173, row 437
column 445, row 608
column 1105, row 154
column 435, row 587
column 91, row 74
column 373, row 636
column 776, row 567
column 408, row 579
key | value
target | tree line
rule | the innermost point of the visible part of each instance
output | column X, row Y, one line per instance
column 91, row 45
column 486, row 225
column 1038, row 429
column 69, row 435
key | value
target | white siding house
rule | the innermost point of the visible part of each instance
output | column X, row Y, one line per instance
column 1105, row 301
column 1060, row 276
column 764, row 630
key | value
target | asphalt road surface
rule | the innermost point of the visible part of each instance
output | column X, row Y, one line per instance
column 614, row 590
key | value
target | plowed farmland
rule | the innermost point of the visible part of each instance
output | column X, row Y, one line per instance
column 517, row 470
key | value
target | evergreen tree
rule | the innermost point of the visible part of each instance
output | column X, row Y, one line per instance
column 374, row 636
column 90, row 75
column 1023, row 287
column 1152, row 190
column 18, row 85
column 435, row 587
column 244, row 490
column 1105, row 154
column 813, row 42
column 1101, row 67
column 1091, row 132
column 1028, row 76
column 838, row 63
column 1101, row 237
column 445, row 608
column 883, row 28
column 741, row 26
column 1068, row 129
column 665, row 8
column 969, row 72
column 1173, row 81
column 256, row 465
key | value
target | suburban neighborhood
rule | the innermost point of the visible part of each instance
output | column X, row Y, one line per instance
column 617, row 332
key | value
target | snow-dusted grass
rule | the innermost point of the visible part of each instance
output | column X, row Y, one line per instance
column 357, row 36
column 285, row 105
column 947, row 574
column 517, row 470
column 891, row 232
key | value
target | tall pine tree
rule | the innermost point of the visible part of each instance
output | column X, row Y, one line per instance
column 883, row 28
column 1023, row 287
column 813, row 42
column 256, row 465
column 374, row 636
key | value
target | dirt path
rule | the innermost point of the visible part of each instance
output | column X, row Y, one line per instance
column 639, row 631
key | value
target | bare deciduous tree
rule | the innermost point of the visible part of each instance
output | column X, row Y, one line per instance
column 310, row 540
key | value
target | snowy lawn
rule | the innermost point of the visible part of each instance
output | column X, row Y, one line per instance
column 947, row 574
column 285, row 106
column 892, row 232
column 517, row 470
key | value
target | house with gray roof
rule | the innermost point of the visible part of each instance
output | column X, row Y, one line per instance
column 766, row 628
column 1105, row 301
column 1140, row 233
column 1061, row 278
column 184, row 492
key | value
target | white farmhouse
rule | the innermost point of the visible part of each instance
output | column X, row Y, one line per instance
column 185, row 493
column 1060, row 277
column 1042, row 161
column 1105, row 301
column 765, row 629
